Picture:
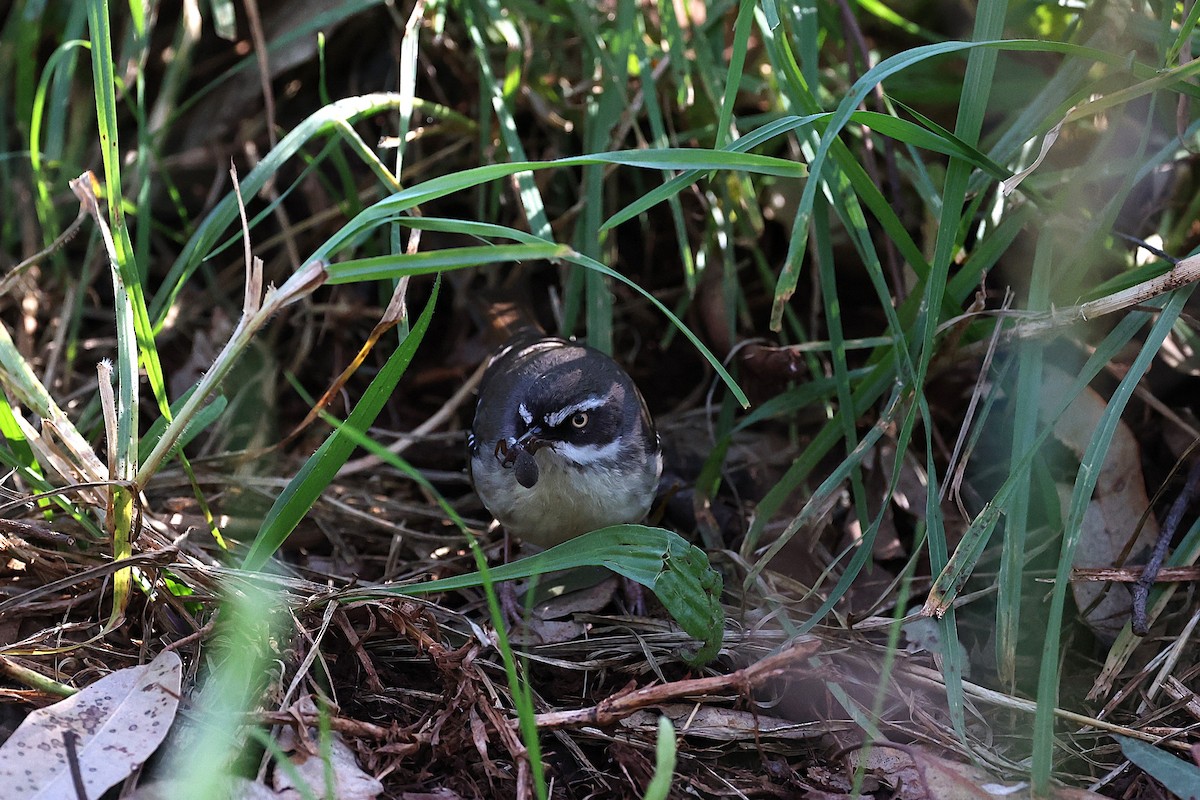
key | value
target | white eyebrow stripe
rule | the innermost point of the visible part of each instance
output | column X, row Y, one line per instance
column 588, row 455
column 523, row 410
column 587, row 404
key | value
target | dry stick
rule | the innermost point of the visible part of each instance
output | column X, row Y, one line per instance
column 64, row 237
column 35, row 531
column 933, row 677
column 264, row 74
column 433, row 423
column 351, row 727
column 10, row 279
column 1029, row 324
column 618, row 706
column 395, row 313
column 264, row 67
column 257, row 308
column 961, row 456
column 157, row 558
column 70, row 744
column 1141, row 589
column 1185, row 272
column 1133, row 574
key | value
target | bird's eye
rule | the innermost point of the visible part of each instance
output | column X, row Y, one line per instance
column 579, row 420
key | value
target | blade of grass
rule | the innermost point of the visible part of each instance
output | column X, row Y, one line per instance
column 677, row 572
column 338, row 273
column 121, row 418
column 1085, row 483
column 57, row 74
column 659, row 787
column 103, row 81
column 950, row 580
column 790, row 274
column 501, row 96
column 660, row 139
column 294, row 502
column 522, row 693
column 215, row 226
column 1025, row 413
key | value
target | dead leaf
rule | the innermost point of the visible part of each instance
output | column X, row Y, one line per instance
column 722, row 724
column 918, row 774
column 237, row 788
column 118, row 722
column 1116, row 507
column 350, row 781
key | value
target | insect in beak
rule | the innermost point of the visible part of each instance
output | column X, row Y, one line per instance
column 518, row 454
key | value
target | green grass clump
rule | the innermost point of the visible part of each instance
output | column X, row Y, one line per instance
column 864, row 235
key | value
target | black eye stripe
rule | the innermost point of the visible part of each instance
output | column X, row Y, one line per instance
column 590, row 419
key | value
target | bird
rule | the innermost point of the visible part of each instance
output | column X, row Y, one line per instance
column 562, row 441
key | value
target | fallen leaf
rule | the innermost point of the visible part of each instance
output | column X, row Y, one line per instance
column 350, row 781
column 721, row 724
column 1116, row 506
column 117, row 723
column 918, row 774
column 237, row 788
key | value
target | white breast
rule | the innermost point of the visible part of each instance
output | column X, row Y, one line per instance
column 567, row 500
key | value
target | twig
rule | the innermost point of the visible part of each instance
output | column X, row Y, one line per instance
column 350, row 727
column 433, row 423
column 7, row 281
column 1141, row 589
column 258, row 307
column 70, row 744
column 619, row 706
column 1135, row 574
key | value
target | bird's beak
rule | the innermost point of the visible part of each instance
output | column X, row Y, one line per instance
column 531, row 440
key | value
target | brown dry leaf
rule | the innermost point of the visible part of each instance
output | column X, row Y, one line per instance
column 349, row 779
column 238, row 788
column 1116, row 507
column 918, row 774
column 118, row 722
column 723, row 724
column 580, row 591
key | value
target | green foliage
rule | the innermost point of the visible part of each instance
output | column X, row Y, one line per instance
column 825, row 176
column 1175, row 774
column 678, row 573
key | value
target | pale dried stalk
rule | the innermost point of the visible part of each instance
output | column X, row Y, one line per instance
column 257, row 308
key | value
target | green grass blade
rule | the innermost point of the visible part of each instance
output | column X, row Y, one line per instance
column 677, row 572
column 216, row 225
column 500, row 94
column 789, row 275
column 733, row 76
column 1089, row 472
column 950, row 580
column 659, row 787
column 396, row 267
column 303, row 490
column 403, row 264
column 1025, row 413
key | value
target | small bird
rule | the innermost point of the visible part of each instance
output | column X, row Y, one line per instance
column 562, row 441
